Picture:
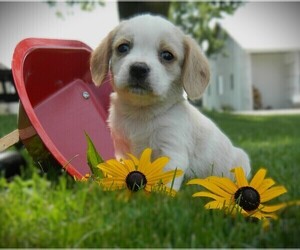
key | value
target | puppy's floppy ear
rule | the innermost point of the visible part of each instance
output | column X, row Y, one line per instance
column 195, row 75
column 100, row 57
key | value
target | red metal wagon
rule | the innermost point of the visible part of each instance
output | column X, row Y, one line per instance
column 59, row 103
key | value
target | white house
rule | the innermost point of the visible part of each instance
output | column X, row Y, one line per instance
column 262, row 52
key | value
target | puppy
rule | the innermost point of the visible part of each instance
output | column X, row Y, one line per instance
column 151, row 63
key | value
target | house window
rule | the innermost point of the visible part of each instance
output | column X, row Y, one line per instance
column 231, row 81
column 220, row 85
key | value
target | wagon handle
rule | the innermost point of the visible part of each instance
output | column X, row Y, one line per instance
column 9, row 140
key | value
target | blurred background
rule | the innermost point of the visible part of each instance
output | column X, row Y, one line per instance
column 253, row 48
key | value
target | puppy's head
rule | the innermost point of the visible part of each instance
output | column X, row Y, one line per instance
column 150, row 59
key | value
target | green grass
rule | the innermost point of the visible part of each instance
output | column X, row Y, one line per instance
column 37, row 212
column 7, row 124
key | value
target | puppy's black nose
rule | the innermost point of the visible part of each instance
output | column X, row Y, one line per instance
column 139, row 71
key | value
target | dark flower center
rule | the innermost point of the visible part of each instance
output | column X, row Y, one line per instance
column 247, row 198
column 135, row 181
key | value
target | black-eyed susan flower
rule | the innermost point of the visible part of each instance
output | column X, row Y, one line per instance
column 138, row 174
column 249, row 198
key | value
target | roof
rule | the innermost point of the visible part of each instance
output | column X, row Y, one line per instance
column 265, row 26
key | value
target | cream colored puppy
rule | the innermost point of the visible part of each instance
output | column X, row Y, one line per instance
column 152, row 62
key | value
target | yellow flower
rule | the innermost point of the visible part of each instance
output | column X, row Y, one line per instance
column 136, row 174
column 85, row 178
column 249, row 198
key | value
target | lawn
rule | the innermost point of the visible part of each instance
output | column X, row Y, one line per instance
column 38, row 212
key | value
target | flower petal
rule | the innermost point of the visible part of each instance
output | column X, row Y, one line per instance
column 112, row 180
column 215, row 205
column 260, row 215
column 211, row 187
column 165, row 177
column 270, row 215
column 129, row 164
column 209, row 195
column 135, row 160
column 272, row 208
column 113, row 168
column 257, row 214
column 258, row 178
column 148, row 188
column 193, row 182
column 225, row 183
column 240, row 177
column 157, row 166
column 112, row 183
column 145, row 160
column 266, row 184
column 272, row 193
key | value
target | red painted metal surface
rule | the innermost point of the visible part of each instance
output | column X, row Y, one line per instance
column 59, row 102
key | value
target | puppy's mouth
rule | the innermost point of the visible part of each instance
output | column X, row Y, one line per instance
column 139, row 88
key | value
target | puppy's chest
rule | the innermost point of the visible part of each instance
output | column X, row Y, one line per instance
column 133, row 129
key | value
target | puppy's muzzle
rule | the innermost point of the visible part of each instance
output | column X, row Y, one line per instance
column 138, row 78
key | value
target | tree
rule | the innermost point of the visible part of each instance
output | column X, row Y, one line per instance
column 198, row 20
column 194, row 18
column 125, row 9
column 84, row 5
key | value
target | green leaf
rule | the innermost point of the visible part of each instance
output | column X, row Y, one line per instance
column 93, row 158
column 195, row 17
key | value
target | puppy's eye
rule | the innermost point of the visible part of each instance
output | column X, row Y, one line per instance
column 167, row 56
column 123, row 48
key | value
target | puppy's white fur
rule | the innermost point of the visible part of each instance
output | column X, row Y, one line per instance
column 159, row 117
